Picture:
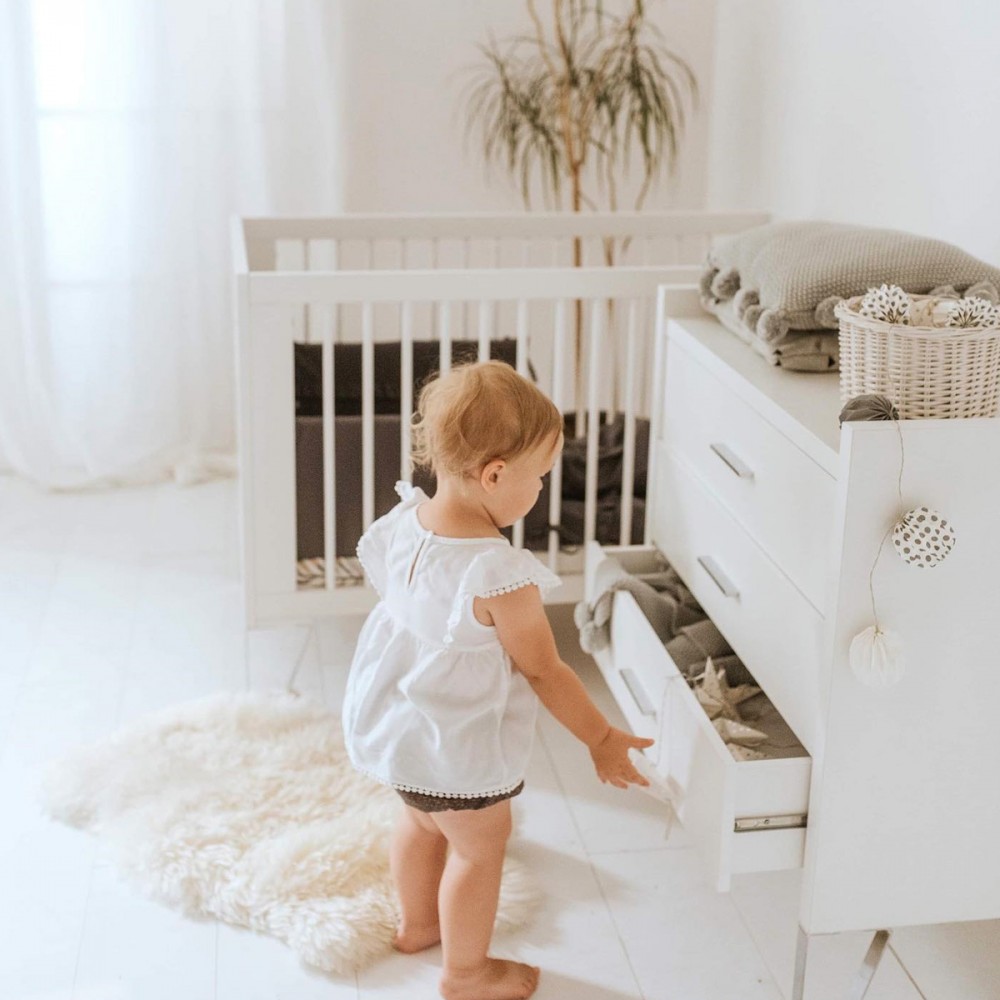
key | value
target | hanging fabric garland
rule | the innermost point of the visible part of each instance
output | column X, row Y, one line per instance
column 921, row 536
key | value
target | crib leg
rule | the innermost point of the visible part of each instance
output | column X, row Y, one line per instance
column 311, row 631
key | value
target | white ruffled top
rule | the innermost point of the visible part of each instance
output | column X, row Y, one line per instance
column 433, row 703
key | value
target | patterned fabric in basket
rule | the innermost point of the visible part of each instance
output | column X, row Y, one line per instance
column 926, row 371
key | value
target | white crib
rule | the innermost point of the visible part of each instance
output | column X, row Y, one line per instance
column 543, row 280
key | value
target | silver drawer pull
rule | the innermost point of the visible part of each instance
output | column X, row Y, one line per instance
column 637, row 691
column 735, row 463
column 793, row 821
column 719, row 578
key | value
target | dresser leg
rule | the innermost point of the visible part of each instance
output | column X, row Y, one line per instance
column 870, row 965
column 862, row 980
column 801, row 953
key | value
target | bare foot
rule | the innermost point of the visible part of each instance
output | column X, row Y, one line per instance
column 411, row 939
column 496, row 979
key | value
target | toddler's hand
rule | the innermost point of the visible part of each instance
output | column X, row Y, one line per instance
column 611, row 759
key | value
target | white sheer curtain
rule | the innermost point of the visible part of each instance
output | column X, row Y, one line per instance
column 130, row 132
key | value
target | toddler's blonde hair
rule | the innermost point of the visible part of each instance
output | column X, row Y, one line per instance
column 478, row 412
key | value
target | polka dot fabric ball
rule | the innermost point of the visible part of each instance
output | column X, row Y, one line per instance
column 922, row 537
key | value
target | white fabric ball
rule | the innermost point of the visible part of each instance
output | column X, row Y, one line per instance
column 876, row 657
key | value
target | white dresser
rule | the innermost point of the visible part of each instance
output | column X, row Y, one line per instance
column 773, row 515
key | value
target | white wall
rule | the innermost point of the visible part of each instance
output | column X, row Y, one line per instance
column 403, row 118
column 883, row 112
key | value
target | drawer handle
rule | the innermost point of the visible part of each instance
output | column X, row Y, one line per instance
column 719, row 578
column 637, row 691
column 735, row 463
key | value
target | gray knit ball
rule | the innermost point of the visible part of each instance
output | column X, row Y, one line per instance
column 745, row 298
column 772, row 326
column 705, row 282
column 824, row 312
column 752, row 316
column 726, row 284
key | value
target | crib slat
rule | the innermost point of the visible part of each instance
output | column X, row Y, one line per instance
column 405, row 389
column 559, row 347
column 312, row 323
column 320, row 256
column 466, row 253
column 367, row 415
column 329, row 456
column 660, row 327
column 494, row 306
column 290, row 255
column 436, row 307
column 522, row 337
column 444, row 335
column 335, row 266
column 612, row 360
column 628, row 461
column 593, row 419
column 485, row 328
column 521, row 364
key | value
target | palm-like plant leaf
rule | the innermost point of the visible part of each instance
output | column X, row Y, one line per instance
column 606, row 87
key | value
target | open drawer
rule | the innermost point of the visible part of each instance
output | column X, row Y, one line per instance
column 744, row 816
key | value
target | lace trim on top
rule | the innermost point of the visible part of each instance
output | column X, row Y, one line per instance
column 509, row 588
column 538, row 576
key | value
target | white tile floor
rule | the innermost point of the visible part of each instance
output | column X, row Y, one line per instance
column 112, row 605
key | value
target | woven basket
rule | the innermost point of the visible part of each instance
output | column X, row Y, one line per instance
column 926, row 371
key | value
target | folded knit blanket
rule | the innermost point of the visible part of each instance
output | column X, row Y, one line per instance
column 771, row 283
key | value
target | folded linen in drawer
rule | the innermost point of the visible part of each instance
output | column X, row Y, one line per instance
column 776, row 491
column 742, row 815
column 774, row 630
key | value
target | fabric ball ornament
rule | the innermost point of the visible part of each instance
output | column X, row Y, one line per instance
column 876, row 657
column 972, row 312
column 922, row 537
column 888, row 303
column 869, row 406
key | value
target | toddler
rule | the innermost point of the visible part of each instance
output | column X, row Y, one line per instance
column 451, row 664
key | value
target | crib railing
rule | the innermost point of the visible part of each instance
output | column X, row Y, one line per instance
column 476, row 241
column 587, row 332
column 486, row 240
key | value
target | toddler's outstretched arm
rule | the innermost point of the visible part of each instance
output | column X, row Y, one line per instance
column 525, row 633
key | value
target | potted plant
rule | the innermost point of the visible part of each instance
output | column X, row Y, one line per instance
column 570, row 105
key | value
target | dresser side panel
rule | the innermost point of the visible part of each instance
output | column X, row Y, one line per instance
column 905, row 804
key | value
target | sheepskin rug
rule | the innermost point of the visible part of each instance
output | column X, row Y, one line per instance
column 246, row 808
